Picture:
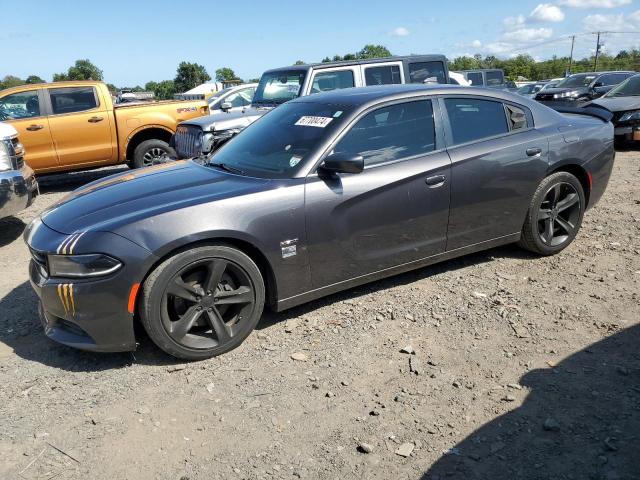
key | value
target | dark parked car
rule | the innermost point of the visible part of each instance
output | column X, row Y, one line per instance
column 582, row 87
column 624, row 102
column 324, row 193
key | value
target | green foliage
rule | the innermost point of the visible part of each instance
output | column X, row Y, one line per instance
column 190, row 75
column 163, row 90
column 34, row 79
column 299, row 62
column 525, row 66
column 225, row 74
column 112, row 88
column 81, row 70
column 368, row 51
column 10, row 81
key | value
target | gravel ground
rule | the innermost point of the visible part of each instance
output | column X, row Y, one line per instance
column 496, row 365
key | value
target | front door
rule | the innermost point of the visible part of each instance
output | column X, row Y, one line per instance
column 80, row 125
column 395, row 211
column 25, row 111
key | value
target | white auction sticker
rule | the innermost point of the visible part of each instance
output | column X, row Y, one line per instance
column 319, row 122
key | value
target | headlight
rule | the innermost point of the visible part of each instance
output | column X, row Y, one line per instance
column 5, row 159
column 77, row 266
column 207, row 142
column 632, row 115
column 570, row 94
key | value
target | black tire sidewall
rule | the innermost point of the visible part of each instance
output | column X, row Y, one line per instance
column 545, row 185
column 154, row 287
column 144, row 147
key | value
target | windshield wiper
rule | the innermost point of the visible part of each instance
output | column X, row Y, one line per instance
column 228, row 168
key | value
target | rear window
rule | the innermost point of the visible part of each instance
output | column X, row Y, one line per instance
column 474, row 119
column 325, row 81
column 383, row 75
column 72, row 99
column 494, row 78
column 426, row 72
column 475, row 78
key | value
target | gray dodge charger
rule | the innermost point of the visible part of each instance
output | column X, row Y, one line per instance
column 321, row 194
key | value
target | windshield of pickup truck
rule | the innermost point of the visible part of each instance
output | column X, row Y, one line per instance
column 629, row 88
column 277, row 145
column 279, row 87
column 580, row 80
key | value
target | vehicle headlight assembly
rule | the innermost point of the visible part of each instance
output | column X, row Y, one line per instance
column 81, row 266
column 207, row 142
column 5, row 158
column 632, row 115
column 570, row 94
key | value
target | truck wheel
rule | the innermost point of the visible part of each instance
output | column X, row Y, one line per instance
column 152, row 152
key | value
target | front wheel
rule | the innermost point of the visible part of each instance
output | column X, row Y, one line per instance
column 202, row 302
column 555, row 214
column 152, row 152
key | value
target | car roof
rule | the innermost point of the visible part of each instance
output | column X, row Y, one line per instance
column 342, row 63
column 601, row 73
column 359, row 96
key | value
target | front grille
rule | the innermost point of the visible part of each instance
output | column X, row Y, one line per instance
column 544, row 96
column 188, row 142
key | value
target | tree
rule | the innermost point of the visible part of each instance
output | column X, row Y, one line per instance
column 163, row 90
column 225, row 74
column 34, row 79
column 11, row 81
column 112, row 88
column 81, row 70
column 299, row 62
column 374, row 51
column 60, row 77
column 190, row 75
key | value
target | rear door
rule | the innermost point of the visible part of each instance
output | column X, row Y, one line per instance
column 498, row 159
column 383, row 73
column 80, row 125
column 334, row 79
column 396, row 210
column 27, row 113
column 426, row 72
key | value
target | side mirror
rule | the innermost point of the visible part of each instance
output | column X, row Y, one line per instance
column 226, row 106
column 343, row 163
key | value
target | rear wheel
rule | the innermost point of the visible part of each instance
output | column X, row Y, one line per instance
column 202, row 302
column 152, row 152
column 555, row 214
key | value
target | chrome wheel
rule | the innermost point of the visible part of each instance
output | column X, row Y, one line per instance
column 559, row 214
column 154, row 156
column 208, row 303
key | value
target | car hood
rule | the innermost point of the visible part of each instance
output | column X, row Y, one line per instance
column 227, row 120
column 618, row 104
column 562, row 90
column 118, row 200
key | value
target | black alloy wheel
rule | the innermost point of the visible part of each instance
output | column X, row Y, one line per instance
column 152, row 152
column 555, row 214
column 202, row 302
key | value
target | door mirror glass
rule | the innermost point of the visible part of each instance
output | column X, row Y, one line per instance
column 226, row 106
column 344, row 163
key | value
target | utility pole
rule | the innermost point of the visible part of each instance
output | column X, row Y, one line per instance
column 573, row 41
column 595, row 68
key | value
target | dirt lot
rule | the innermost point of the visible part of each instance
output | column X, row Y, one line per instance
column 523, row 367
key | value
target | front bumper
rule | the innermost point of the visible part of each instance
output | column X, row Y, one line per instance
column 627, row 133
column 89, row 314
column 18, row 188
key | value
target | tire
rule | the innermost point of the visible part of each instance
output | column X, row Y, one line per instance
column 151, row 152
column 188, row 318
column 557, row 204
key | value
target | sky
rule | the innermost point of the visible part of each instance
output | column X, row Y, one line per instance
column 134, row 42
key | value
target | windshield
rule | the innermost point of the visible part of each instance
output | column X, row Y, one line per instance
column 579, row 80
column 279, row 87
column 277, row 145
column 629, row 88
column 531, row 88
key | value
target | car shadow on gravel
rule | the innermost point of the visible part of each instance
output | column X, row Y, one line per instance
column 10, row 229
column 68, row 181
column 20, row 329
column 507, row 251
column 580, row 420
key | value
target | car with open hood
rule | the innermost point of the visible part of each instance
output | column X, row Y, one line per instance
column 323, row 193
column 579, row 88
column 624, row 102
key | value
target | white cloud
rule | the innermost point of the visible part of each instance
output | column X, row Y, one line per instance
column 514, row 23
column 593, row 3
column 476, row 44
column 527, row 35
column 618, row 21
column 545, row 12
column 400, row 32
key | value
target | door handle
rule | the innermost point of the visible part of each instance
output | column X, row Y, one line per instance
column 34, row 128
column 95, row 119
column 532, row 152
column 435, row 181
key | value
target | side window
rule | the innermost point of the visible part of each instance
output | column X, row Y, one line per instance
column 241, row 98
column 390, row 133
column 325, row 81
column 72, row 99
column 474, row 119
column 475, row 78
column 516, row 117
column 425, row 72
column 20, row 105
column 619, row 78
column 383, row 75
column 605, row 80
column 494, row 77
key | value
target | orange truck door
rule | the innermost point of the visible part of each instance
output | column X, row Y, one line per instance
column 80, row 126
column 25, row 111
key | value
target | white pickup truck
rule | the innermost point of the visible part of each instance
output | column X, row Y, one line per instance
column 18, row 186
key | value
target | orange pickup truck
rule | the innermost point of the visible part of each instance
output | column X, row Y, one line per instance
column 75, row 125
